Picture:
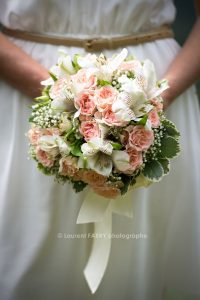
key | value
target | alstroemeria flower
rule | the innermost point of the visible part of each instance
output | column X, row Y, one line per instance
column 130, row 106
column 106, row 70
column 146, row 79
column 98, row 151
column 95, row 145
column 100, row 163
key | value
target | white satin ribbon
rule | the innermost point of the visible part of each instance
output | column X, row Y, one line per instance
column 98, row 210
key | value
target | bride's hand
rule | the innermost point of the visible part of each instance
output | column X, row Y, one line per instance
column 185, row 68
column 20, row 70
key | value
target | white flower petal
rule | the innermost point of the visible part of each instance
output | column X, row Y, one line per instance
column 120, row 160
column 48, row 81
column 95, row 145
column 149, row 74
column 101, row 163
column 48, row 144
column 156, row 91
column 63, row 147
column 58, row 104
column 65, row 62
column 87, row 61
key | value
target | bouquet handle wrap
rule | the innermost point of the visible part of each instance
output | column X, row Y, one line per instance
column 98, row 210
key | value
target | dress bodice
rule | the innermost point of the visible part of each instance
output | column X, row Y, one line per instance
column 86, row 17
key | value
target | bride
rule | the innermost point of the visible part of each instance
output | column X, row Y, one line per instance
column 39, row 258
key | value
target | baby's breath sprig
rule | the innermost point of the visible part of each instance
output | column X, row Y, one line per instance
column 44, row 116
column 153, row 152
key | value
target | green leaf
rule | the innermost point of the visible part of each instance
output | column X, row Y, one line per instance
column 42, row 98
column 70, row 132
column 53, row 76
column 75, row 62
column 78, row 186
column 116, row 146
column 165, row 164
column 153, row 170
column 31, row 118
column 126, row 181
column 171, row 129
column 103, row 82
column 76, row 148
column 169, row 147
column 143, row 121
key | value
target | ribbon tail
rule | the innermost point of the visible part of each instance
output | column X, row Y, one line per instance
column 98, row 260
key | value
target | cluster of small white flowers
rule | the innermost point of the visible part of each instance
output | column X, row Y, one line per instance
column 155, row 148
column 45, row 116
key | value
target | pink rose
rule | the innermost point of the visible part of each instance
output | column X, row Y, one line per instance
column 50, row 131
column 68, row 166
column 105, row 96
column 44, row 158
column 35, row 133
column 85, row 101
column 139, row 137
column 84, row 80
column 89, row 129
column 109, row 117
column 154, row 118
column 57, row 88
column 135, row 158
column 83, row 118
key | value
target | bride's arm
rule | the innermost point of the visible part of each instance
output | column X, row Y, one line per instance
column 185, row 69
column 19, row 69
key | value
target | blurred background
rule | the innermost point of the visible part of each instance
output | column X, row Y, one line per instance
column 185, row 19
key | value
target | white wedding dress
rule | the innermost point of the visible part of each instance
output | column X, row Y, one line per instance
column 34, row 262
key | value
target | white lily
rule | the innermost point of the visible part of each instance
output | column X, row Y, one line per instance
column 120, row 160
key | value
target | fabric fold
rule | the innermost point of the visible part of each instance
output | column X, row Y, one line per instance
column 98, row 210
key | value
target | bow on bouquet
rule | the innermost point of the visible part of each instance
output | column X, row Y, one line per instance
column 100, row 122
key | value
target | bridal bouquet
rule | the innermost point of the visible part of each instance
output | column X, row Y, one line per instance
column 100, row 122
